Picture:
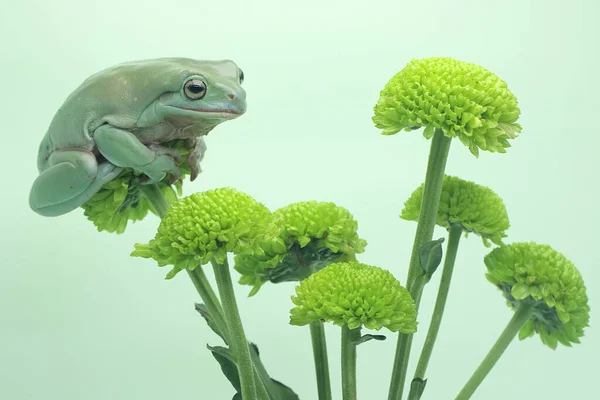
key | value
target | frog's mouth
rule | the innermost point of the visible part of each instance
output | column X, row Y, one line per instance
column 213, row 112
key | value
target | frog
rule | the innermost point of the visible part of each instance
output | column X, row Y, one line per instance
column 122, row 116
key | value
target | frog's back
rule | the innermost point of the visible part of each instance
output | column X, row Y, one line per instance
column 116, row 95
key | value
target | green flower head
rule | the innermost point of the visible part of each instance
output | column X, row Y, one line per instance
column 475, row 208
column 536, row 273
column 355, row 295
column 120, row 200
column 309, row 236
column 203, row 227
column 461, row 99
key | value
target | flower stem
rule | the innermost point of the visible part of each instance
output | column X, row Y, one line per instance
column 521, row 316
column 349, row 338
column 239, row 343
column 436, row 165
column 319, row 344
column 440, row 303
column 265, row 384
column 156, row 198
column 210, row 299
column 402, row 353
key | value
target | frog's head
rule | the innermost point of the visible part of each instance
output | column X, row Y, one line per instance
column 209, row 92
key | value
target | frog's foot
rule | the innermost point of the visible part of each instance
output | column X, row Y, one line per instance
column 123, row 149
column 195, row 156
column 72, row 178
column 165, row 164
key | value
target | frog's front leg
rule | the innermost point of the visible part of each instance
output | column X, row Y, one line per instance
column 123, row 149
column 71, row 179
column 195, row 156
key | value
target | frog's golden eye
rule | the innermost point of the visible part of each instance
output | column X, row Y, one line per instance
column 194, row 89
column 241, row 76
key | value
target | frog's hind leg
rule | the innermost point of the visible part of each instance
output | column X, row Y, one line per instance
column 71, row 178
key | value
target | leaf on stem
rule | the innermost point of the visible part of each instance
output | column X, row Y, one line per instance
column 366, row 338
column 430, row 256
column 229, row 368
column 417, row 386
column 284, row 392
column 201, row 308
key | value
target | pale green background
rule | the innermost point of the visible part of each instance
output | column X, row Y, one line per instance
column 80, row 319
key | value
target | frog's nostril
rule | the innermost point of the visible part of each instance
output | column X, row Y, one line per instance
column 231, row 96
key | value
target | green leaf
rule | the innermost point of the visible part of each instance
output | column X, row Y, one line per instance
column 201, row 308
column 285, row 393
column 366, row 338
column 430, row 256
column 276, row 389
column 417, row 386
column 224, row 358
column 237, row 396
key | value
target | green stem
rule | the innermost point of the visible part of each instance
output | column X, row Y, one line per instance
column 213, row 305
column 434, row 177
column 319, row 344
column 209, row 298
column 156, row 198
column 436, row 165
column 349, row 338
column 239, row 343
column 402, row 352
column 521, row 316
column 440, row 303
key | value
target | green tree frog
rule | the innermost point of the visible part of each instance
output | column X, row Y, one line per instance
column 118, row 118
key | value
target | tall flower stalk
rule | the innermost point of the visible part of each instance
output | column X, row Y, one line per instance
column 440, row 147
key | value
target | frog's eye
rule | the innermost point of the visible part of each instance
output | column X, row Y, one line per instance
column 241, row 76
column 194, row 89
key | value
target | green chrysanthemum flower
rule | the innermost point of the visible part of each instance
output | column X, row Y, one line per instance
column 355, row 295
column 536, row 273
column 120, row 200
column 311, row 235
column 461, row 99
column 205, row 226
column 475, row 208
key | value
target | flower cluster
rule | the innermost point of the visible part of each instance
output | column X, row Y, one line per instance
column 309, row 236
column 531, row 272
column 120, row 200
column 475, row 208
column 204, row 227
column 355, row 295
column 461, row 99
